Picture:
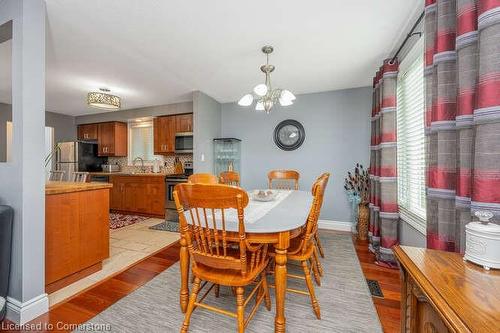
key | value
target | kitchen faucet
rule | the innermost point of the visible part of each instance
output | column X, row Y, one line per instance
column 142, row 163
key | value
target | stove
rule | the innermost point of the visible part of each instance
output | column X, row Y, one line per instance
column 171, row 216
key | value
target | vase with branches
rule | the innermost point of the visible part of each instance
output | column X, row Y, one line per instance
column 357, row 186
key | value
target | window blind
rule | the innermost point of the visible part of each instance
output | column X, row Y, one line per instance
column 141, row 141
column 411, row 142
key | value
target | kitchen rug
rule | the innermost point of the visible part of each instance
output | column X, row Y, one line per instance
column 166, row 226
column 118, row 220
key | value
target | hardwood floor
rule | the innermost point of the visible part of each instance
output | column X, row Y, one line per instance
column 388, row 307
column 90, row 302
column 96, row 299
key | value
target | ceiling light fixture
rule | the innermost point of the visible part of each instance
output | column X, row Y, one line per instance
column 103, row 100
column 264, row 95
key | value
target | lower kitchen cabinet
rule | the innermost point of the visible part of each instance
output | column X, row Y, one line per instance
column 138, row 194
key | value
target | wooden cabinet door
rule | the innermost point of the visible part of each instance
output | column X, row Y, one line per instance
column 120, row 142
column 135, row 197
column 87, row 132
column 94, row 227
column 184, row 123
column 170, row 133
column 116, row 193
column 159, row 134
column 105, row 141
column 156, row 196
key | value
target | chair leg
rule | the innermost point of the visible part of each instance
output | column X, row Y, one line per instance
column 318, row 244
column 316, row 275
column 318, row 263
column 190, row 307
column 310, row 287
column 265, row 288
column 217, row 289
column 240, row 309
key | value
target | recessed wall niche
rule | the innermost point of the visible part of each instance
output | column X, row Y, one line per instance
column 6, row 92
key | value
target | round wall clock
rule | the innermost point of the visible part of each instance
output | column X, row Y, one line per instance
column 289, row 134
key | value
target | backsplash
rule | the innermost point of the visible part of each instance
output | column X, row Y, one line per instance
column 167, row 163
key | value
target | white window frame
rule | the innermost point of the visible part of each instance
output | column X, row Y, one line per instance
column 414, row 218
column 142, row 123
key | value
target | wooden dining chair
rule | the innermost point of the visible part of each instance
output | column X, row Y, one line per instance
column 56, row 175
column 323, row 178
column 79, row 177
column 203, row 178
column 303, row 249
column 213, row 259
column 283, row 179
column 230, row 178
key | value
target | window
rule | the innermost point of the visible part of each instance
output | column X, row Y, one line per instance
column 411, row 139
column 140, row 141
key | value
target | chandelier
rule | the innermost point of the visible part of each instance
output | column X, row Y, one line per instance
column 264, row 95
column 103, row 100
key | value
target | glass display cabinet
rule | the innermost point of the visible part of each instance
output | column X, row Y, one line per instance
column 227, row 155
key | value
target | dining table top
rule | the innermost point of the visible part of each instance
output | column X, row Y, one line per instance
column 288, row 211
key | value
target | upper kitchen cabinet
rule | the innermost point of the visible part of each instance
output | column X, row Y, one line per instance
column 112, row 139
column 165, row 128
column 184, row 123
column 164, row 135
column 87, row 132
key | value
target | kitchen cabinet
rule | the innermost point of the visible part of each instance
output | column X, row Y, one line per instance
column 138, row 194
column 87, row 132
column 164, row 129
column 184, row 122
column 76, row 232
column 112, row 139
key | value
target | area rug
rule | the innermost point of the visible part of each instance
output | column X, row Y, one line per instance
column 346, row 304
column 166, row 226
column 117, row 220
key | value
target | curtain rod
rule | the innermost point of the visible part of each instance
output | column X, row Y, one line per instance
column 410, row 34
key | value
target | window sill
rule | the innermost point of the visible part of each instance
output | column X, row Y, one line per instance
column 416, row 222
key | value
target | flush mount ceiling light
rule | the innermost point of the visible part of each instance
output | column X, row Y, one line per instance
column 103, row 100
column 264, row 95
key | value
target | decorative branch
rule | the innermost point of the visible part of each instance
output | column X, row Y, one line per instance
column 358, row 183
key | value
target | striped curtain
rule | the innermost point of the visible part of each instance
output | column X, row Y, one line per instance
column 462, row 88
column 384, row 217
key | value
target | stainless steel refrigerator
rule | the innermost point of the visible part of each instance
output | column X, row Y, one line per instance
column 78, row 156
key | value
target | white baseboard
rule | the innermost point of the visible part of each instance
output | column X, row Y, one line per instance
column 21, row 313
column 336, row 225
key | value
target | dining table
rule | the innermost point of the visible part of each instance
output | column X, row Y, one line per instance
column 273, row 222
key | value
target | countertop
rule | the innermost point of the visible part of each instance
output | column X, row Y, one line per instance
column 53, row 187
column 121, row 173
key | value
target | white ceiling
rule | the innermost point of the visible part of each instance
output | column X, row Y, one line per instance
column 153, row 52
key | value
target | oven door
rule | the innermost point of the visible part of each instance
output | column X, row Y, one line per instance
column 169, row 193
column 184, row 142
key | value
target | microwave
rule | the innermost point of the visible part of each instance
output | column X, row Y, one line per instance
column 184, row 142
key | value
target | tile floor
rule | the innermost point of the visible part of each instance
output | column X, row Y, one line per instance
column 128, row 245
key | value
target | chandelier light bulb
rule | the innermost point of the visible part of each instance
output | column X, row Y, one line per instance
column 260, row 90
column 285, row 102
column 246, row 100
column 286, row 95
column 259, row 106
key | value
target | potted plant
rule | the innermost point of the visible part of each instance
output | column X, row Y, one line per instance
column 357, row 186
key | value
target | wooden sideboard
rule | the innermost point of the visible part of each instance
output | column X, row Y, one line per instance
column 442, row 293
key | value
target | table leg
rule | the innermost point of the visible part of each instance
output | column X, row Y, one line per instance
column 280, row 272
column 184, row 263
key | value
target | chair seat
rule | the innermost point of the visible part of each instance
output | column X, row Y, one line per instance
column 229, row 277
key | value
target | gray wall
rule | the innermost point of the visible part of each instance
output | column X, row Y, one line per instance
column 64, row 126
column 124, row 115
column 207, row 113
column 410, row 236
column 23, row 179
column 337, row 125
